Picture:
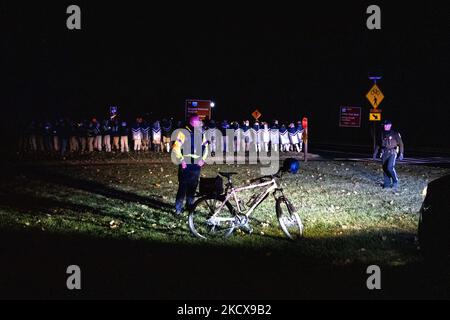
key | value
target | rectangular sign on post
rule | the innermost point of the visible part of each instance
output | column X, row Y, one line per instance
column 375, row 115
column 350, row 117
column 202, row 108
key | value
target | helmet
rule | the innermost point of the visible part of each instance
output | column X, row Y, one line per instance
column 291, row 165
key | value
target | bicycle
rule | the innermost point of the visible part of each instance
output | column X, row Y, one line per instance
column 213, row 216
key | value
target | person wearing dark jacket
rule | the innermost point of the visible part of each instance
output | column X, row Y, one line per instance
column 391, row 145
column 63, row 136
column 106, row 133
column 191, row 150
column 166, row 130
column 115, row 133
column 124, row 133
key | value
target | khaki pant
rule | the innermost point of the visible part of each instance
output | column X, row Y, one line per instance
column 90, row 142
column 74, row 145
column 33, row 143
column 55, row 144
column 107, row 143
column 83, row 144
column 137, row 144
column 116, row 143
column 98, row 143
column 124, row 144
column 145, row 144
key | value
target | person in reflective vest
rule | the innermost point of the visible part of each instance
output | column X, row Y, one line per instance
column 246, row 135
column 256, row 134
column 137, row 136
column 156, row 137
column 191, row 150
column 300, row 132
column 145, row 130
column 293, row 137
column 275, row 136
column 237, row 136
column 284, row 139
column 166, row 130
column 265, row 134
column 211, row 133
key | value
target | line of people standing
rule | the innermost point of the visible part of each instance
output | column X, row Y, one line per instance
column 256, row 138
column 114, row 135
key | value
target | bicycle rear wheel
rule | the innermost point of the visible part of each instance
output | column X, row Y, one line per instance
column 211, row 217
column 289, row 220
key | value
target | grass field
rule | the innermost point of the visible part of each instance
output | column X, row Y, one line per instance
column 350, row 222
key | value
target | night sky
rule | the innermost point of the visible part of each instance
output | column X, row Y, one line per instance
column 286, row 60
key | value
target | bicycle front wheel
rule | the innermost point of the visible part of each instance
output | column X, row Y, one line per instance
column 289, row 220
column 211, row 217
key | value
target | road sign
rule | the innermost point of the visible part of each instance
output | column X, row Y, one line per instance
column 375, row 96
column 256, row 114
column 350, row 117
column 305, row 123
column 202, row 108
column 375, row 117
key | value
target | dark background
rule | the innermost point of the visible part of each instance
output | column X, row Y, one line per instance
column 288, row 60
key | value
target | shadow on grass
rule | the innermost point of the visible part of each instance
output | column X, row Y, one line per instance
column 34, row 265
column 49, row 176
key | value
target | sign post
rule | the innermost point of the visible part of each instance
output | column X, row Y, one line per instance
column 305, row 137
column 375, row 97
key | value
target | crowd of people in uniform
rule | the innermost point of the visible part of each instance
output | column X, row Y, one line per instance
column 114, row 135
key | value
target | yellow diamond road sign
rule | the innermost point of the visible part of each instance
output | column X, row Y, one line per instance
column 256, row 114
column 375, row 96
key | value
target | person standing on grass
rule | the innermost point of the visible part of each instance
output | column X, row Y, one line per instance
column 82, row 135
column 191, row 150
column 156, row 137
column 391, row 145
column 115, row 132
column 274, row 136
column 247, row 137
column 137, row 136
column 166, row 130
column 145, row 130
column 124, row 132
column 300, row 132
column 106, row 131
column 265, row 134
column 293, row 137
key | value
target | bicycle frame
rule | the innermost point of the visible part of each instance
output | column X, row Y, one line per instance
column 272, row 187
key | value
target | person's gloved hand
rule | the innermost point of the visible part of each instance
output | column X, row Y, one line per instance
column 400, row 157
column 201, row 163
column 183, row 165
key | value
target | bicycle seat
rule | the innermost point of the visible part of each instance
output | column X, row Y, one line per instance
column 227, row 175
